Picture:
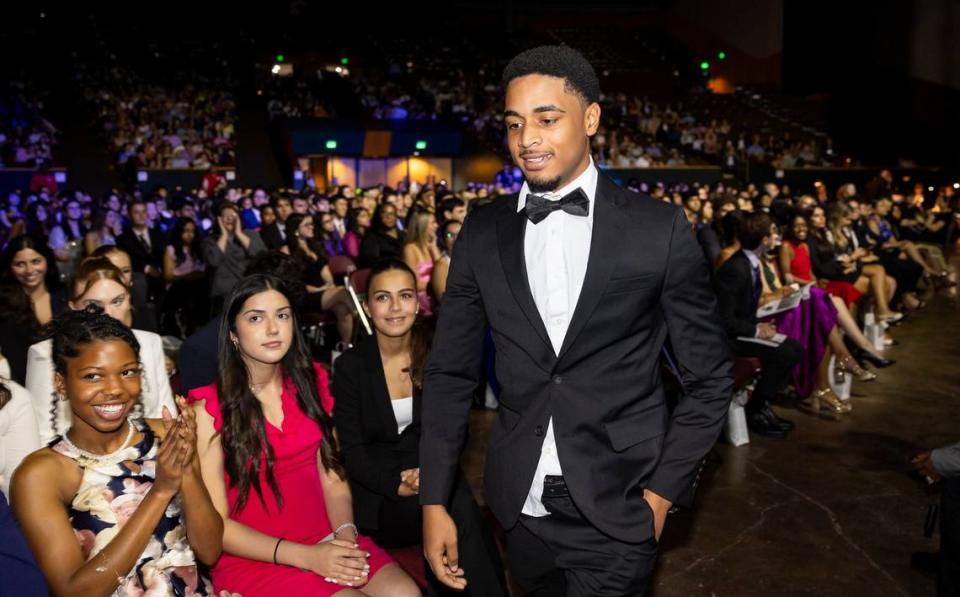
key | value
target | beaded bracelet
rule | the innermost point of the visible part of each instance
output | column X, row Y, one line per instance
column 345, row 525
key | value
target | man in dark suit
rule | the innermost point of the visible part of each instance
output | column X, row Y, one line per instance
column 275, row 234
column 739, row 288
column 145, row 246
column 580, row 283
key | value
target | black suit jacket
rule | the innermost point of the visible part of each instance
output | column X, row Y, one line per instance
column 139, row 256
column 734, row 284
column 372, row 451
column 646, row 278
column 272, row 237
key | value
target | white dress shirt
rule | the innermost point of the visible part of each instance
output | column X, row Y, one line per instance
column 18, row 433
column 556, row 252
column 155, row 390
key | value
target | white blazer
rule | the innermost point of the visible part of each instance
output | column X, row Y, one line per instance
column 18, row 433
column 155, row 386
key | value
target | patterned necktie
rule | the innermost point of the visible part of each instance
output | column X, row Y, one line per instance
column 575, row 203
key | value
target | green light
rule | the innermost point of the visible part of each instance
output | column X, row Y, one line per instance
column 279, row 57
column 704, row 65
column 722, row 55
column 344, row 60
column 421, row 145
column 331, row 144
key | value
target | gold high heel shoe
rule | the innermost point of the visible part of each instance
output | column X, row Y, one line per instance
column 821, row 403
column 848, row 365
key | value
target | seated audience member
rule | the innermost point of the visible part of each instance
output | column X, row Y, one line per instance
column 145, row 247
column 274, row 233
column 107, row 226
column 322, row 293
column 450, row 230
column 797, row 266
column 270, row 461
column 18, row 430
column 116, row 504
column 739, row 287
column 377, row 386
column 453, row 208
column 332, row 241
column 66, row 238
column 228, row 251
column 828, row 265
column 384, row 240
column 358, row 222
column 144, row 312
column 30, row 295
column 889, row 243
column 185, row 305
column 97, row 282
column 421, row 253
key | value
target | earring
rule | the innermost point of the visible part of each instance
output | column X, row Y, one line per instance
column 236, row 344
column 60, row 396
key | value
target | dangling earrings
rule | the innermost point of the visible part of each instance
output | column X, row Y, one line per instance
column 236, row 344
column 60, row 396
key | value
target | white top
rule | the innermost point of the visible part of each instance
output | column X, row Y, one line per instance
column 403, row 412
column 18, row 433
column 556, row 252
column 155, row 386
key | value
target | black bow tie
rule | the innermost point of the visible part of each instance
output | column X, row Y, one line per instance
column 575, row 203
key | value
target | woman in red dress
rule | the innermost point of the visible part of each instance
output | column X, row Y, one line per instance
column 270, row 461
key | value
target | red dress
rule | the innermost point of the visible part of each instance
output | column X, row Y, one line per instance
column 800, row 267
column 303, row 518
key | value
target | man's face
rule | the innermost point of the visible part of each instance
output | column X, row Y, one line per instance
column 284, row 209
column 300, row 206
column 547, row 130
column 340, row 207
column 260, row 197
column 458, row 213
column 138, row 215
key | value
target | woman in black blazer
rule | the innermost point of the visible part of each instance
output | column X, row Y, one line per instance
column 376, row 387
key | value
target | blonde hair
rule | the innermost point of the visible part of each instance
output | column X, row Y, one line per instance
column 417, row 228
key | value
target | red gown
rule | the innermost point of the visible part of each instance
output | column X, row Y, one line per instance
column 801, row 268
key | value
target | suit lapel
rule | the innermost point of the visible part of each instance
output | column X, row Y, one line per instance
column 604, row 238
column 510, row 231
column 381, row 393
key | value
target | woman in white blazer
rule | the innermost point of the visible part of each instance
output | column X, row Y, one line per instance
column 18, row 430
column 97, row 282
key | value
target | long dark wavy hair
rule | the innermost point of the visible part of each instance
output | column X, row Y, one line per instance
column 176, row 241
column 246, row 450
column 421, row 336
column 14, row 301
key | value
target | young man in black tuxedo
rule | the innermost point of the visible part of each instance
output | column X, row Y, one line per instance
column 580, row 283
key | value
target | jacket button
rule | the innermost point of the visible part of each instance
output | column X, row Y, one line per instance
column 557, row 379
column 539, row 431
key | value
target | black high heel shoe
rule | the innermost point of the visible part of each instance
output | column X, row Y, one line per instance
column 878, row 362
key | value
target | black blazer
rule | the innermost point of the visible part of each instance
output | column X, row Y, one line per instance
column 377, row 245
column 372, row 451
column 272, row 237
column 734, row 283
column 646, row 277
column 139, row 256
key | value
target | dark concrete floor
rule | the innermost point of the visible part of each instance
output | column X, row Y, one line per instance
column 833, row 509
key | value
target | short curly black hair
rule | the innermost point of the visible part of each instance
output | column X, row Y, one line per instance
column 556, row 61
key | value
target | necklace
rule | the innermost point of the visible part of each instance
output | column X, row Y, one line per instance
column 102, row 457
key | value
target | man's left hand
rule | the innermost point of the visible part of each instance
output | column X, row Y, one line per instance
column 660, row 507
column 924, row 465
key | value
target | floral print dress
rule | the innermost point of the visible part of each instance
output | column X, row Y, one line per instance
column 110, row 492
